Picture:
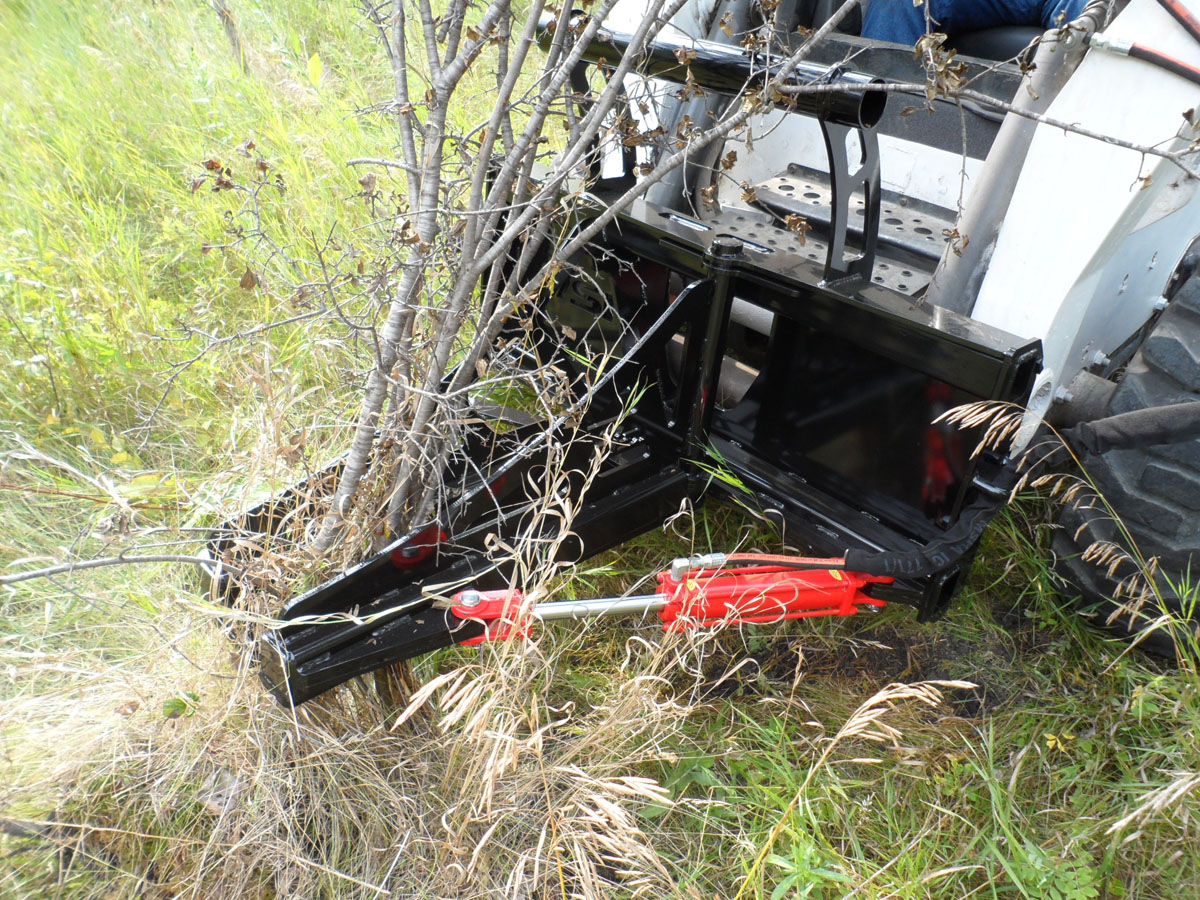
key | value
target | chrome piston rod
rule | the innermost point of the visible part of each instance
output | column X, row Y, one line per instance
column 601, row 606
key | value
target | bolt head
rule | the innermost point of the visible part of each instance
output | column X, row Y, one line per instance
column 470, row 598
column 726, row 246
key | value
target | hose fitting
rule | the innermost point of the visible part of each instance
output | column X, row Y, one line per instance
column 1112, row 45
column 680, row 567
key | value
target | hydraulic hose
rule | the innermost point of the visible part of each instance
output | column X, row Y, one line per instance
column 788, row 562
column 1181, row 15
column 1146, row 54
column 1139, row 428
column 935, row 556
column 1163, row 61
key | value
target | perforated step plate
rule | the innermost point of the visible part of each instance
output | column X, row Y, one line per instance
column 761, row 235
column 912, row 234
column 910, row 225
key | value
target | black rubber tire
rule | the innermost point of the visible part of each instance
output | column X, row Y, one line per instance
column 1155, row 492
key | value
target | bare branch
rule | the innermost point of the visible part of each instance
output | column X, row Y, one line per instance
column 85, row 564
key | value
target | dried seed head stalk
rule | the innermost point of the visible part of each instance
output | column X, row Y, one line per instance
column 1157, row 802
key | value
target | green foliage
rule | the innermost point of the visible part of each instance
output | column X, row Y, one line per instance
column 108, row 111
column 1036, row 874
column 802, row 869
column 182, row 704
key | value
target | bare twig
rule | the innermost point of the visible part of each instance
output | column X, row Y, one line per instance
column 85, row 564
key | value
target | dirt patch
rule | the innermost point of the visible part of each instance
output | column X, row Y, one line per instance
column 882, row 655
column 876, row 655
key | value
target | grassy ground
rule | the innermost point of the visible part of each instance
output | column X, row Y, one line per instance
column 138, row 759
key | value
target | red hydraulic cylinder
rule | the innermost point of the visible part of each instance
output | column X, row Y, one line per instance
column 759, row 594
column 690, row 598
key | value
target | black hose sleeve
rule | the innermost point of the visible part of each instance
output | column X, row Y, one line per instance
column 935, row 556
column 1126, row 431
column 1140, row 428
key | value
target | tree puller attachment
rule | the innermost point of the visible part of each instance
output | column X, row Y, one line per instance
column 774, row 350
column 705, row 353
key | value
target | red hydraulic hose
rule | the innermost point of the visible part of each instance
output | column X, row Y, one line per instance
column 1146, row 54
column 790, row 562
column 1182, row 16
column 1163, row 61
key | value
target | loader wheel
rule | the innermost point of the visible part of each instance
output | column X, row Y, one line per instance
column 1155, row 493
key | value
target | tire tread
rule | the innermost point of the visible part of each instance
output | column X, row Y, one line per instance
column 1156, row 493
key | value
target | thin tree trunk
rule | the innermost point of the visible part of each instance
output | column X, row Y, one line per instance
column 231, row 31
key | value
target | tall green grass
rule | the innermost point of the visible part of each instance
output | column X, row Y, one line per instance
column 107, row 286
column 126, row 715
column 108, row 111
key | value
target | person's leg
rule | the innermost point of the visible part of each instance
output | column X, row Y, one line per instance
column 904, row 23
column 894, row 20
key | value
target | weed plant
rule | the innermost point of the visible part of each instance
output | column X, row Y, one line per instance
column 140, row 758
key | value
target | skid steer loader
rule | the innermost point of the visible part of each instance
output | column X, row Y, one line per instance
column 798, row 307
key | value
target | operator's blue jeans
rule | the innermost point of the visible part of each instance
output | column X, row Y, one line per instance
column 900, row 21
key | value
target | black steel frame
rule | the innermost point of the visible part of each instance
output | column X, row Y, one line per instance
column 387, row 609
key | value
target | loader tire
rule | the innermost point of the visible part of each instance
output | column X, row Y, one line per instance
column 1155, row 492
